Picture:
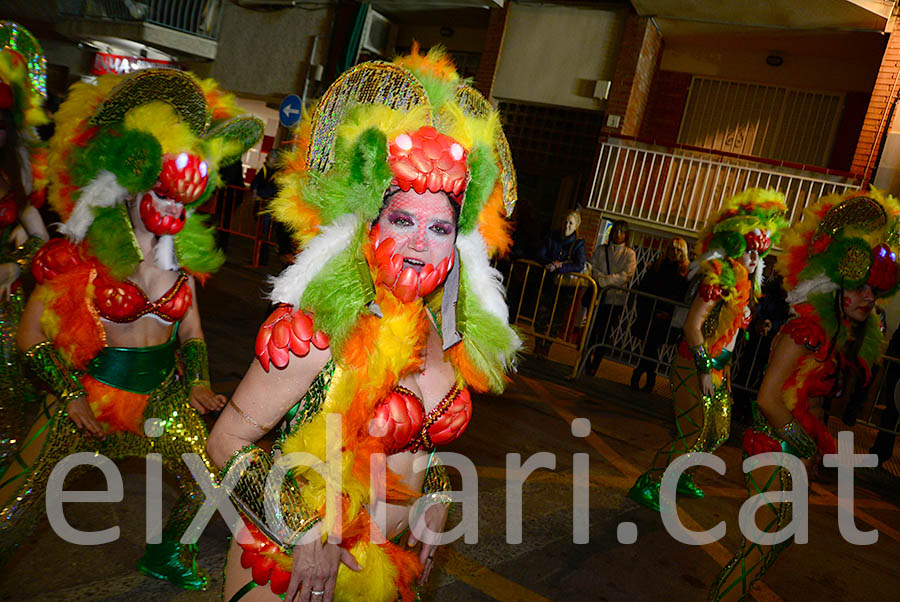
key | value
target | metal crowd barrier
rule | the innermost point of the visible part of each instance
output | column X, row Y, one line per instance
column 622, row 342
column 234, row 214
column 881, row 409
column 878, row 410
column 548, row 306
column 618, row 339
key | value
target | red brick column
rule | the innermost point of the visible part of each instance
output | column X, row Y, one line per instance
column 590, row 225
column 637, row 62
column 886, row 89
column 665, row 107
column 490, row 54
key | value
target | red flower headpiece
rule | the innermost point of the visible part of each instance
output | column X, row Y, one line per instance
column 429, row 160
column 6, row 96
column 884, row 271
column 758, row 240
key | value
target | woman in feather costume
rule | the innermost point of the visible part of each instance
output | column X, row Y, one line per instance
column 130, row 160
column 837, row 261
column 398, row 189
column 730, row 266
column 23, row 179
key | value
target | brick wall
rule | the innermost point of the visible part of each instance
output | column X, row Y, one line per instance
column 848, row 130
column 490, row 55
column 886, row 89
column 590, row 225
column 665, row 107
column 638, row 60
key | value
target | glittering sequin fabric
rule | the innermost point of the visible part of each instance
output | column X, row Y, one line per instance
column 24, row 485
column 256, row 464
column 12, row 382
column 752, row 560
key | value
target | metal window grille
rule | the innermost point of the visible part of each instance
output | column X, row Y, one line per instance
column 774, row 122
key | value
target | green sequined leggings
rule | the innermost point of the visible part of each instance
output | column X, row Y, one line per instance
column 753, row 560
column 701, row 424
column 54, row 436
column 15, row 390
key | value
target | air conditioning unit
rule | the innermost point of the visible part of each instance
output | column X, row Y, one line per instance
column 378, row 36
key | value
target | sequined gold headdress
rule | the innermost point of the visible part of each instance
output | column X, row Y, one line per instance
column 844, row 241
column 333, row 184
column 158, row 130
column 22, row 92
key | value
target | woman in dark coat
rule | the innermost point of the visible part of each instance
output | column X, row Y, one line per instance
column 667, row 277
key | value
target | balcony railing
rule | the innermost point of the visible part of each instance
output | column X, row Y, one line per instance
column 679, row 188
column 197, row 17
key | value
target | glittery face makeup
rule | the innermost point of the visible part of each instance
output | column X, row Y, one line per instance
column 422, row 227
column 858, row 303
column 414, row 240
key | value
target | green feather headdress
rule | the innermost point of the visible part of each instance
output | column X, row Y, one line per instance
column 332, row 186
column 108, row 147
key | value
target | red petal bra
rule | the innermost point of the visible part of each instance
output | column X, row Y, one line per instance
column 124, row 301
column 115, row 300
column 399, row 419
column 401, row 423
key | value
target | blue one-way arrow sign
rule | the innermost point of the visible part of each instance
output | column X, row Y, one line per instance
column 291, row 110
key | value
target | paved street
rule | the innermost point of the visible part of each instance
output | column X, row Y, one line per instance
column 533, row 416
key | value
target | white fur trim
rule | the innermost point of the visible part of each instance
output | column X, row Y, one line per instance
column 708, row 256
column 103, row 191
column 485, row 281
column 165, row 253
column 818, row 285
column 289, row 285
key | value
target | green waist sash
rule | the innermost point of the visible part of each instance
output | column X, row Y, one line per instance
column 135, row 369
column 720, row 361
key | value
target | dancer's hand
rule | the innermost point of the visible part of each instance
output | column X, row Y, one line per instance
column 9, row 272
column 204, row 400
column 433, row 519
column 315, row 567
column 80, row 412
column 706, row 385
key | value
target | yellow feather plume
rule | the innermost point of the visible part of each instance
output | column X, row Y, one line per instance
column 390, row 122
column 374, row 583
column 161, row 121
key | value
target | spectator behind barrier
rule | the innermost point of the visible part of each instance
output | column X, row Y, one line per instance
column 264, row 188
column 667, row 277
column 564, row 251
column 884, row 441
column 612, row 264
column 772, row 312
column 561, row 252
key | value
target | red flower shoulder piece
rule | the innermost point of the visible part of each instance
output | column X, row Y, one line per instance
column 709, row 292
column 806, row 331
column 54, row 258
column 287, row 331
